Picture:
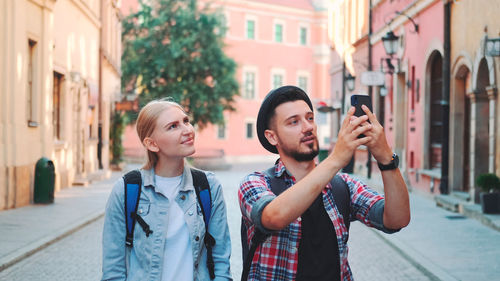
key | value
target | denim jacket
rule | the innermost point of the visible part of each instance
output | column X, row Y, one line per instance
column 144, row 261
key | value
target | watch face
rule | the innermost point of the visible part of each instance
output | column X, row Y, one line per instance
column 396, row 160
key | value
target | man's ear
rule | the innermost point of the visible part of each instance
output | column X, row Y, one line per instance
column 150, row 145
column 271, row 136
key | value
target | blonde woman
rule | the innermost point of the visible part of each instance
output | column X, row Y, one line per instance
column 169, row 240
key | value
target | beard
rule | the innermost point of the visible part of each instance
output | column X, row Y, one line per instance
column 302, row 156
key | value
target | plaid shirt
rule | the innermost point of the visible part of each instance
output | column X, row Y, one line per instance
column 277, row 257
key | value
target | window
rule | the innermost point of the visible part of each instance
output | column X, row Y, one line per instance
column 249, row 130
column 303, row 36
column 249, row 85
column 303, row 83
column 221, row 131
column 436, row 109
column 278, row 32
column 56, row 105
column 277, row 80
column 32, row 57
column 250, row 29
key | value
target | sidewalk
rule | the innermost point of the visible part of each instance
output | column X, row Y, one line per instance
column 447, row 245
column 29, row 229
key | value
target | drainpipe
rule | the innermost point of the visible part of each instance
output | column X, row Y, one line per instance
column 445, row 102
column 370, row 88
column 350, row 166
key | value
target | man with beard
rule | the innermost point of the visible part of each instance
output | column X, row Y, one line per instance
column 305, row 233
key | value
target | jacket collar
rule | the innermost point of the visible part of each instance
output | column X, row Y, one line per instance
column 186, row 182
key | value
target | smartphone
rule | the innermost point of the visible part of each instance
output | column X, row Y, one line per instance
column 357, row 101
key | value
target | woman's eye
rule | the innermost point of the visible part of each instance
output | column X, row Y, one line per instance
column 173, row 126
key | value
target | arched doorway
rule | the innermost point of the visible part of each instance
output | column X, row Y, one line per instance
column 481, row 116
column 460, row 130
column 436, row 115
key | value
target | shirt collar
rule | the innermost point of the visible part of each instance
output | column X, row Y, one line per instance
column 186, row 182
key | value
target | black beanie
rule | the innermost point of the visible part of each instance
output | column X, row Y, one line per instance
column 269, row 104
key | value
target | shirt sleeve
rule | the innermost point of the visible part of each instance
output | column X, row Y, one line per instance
column 254, row 195
column 376, row 217
column 367, row 205
column 113, row 236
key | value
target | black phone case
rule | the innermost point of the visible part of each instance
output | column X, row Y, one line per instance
column 357, row 101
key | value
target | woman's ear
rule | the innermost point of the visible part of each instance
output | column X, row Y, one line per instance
column 271, row 137
column 150, row 144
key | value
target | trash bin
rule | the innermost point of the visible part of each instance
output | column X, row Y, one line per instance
column 323, row 153
column 44, row 181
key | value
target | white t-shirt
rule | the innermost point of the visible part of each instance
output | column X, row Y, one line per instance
column 178, row 256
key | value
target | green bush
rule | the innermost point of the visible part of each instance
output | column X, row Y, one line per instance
column 488, row 182
column 115, row 135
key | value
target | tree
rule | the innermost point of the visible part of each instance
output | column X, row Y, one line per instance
column 174, row 48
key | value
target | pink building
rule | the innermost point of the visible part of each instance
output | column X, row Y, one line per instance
column 412, row 107
column 274, row 43
column 409, row 103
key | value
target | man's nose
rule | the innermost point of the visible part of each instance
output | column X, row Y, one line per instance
column 308, row 125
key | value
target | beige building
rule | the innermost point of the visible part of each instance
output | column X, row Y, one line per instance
column 474, row 102
column 59, row 76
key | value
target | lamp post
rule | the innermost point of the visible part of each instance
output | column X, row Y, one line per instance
column 390, row 42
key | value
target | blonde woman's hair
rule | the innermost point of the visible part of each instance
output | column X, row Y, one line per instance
column 146, row 124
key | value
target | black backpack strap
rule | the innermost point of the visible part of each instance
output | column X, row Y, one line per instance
column 202, row 189
column 342, row 197
column 278, row 185
column 132, row 186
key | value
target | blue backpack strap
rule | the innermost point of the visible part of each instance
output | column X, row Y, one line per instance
column 132, row 185
column 202, row 189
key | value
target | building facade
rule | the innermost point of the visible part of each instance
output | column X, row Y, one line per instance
column 414, row 95
column 274, row 43
column 60, row 74
column 474, row 102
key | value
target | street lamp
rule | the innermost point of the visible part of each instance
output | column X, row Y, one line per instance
column 383, row 91
column 349, row 80
column 390, row 41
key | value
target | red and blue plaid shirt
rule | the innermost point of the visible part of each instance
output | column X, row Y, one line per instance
column 277, row 257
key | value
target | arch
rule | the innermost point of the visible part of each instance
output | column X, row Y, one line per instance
column 459, row 162
column 490, row 62
column 429, row 64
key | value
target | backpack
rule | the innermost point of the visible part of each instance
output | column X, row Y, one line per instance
column 342, row 197
column 133, row 183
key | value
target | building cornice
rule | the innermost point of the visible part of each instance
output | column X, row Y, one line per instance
column 47, row 4
column 399, row 20
column 88, row 12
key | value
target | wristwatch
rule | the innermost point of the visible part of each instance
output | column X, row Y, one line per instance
column 392, row 165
